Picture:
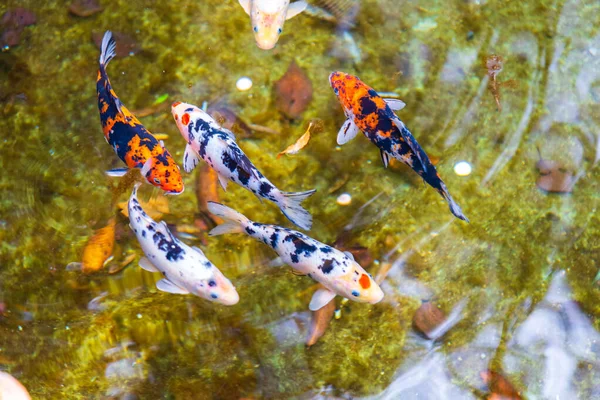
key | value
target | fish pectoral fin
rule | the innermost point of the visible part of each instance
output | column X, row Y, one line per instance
column 320, row 299
column 223, row 181
column 350, row 256
column 190, row 159
column 147, row 265
column 385, row 158
column 395, row 104
column 166, row 285
column 116, row 172
column 147, row 167
column 410, row 140
column 347, row 132
column 295, row 9
column 246, row 5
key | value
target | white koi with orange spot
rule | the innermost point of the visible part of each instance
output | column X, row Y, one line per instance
column 335, row 270
column 268, row 17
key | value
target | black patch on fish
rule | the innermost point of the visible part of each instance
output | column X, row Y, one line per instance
column 212, row 283
column 173, row 252
column 373, row 93
column 250, row 231
column 189, row 109
column 207, row 264
column 229, row 162
column 327, row 266
column 243, row 176
column 326, row 249
column 265, row 188
column 143, row 233
column 367, row 106
column 294, row 258
column 273, row 239
column 162, row 158
column 302, row 248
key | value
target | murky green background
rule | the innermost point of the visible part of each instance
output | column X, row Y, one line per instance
column 521, row 275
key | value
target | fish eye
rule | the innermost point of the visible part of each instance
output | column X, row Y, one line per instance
column 355, row 293
column 256, row 29
column 212, row 283
column 279, row 31
column 336, row 91
column 214, row 295
column 157, row 181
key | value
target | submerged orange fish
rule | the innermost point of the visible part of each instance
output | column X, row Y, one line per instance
column 132, row 142
column 368, row 112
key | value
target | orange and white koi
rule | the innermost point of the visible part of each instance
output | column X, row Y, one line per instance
column 268, row 17
column 132, row 142
column 368, row 112
column 335, row 270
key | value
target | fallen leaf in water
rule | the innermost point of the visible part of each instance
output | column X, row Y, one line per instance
column 300, row 143
column 207, row 189
column 85, row 8
column 319, row 322
column 554, row 179
column 293, row 92
column 13, row 22
column 99, row 248
column 126, row 45
column 155, row 207
column 499, row 386
column 228, row 119
column 427, row 318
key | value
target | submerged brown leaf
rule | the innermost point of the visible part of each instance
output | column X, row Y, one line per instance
column 207, row 189
column 85, row 8
column 126, row 45
column 228, row 119
column 99, row 248
column 319, row 322
column 293, row 92
column 427, row 318
column 499, row 386
column 554, row 179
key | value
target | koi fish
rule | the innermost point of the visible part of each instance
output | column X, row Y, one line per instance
column 185, row 269
column 368, row 112
column 268, row 17
column 132, row 142
column 337, row 271
column 218, row 148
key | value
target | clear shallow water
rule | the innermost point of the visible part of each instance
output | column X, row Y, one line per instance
column 520, row 277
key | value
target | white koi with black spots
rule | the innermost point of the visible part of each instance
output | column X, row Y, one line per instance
column 335, row 270
column 218, row 148
column 185, row 269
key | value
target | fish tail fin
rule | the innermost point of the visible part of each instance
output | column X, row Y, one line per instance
column 108, row 49
column 292, row 209
column 454, row 207
column 234, row 221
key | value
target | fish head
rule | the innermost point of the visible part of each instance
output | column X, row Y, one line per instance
column 344, row 87
column 186, row 114
column 217, row 288
column 164, row 173
column 267, row 19
column 356, row 284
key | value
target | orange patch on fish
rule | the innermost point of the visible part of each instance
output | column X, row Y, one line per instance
column 185, row 119
column 176, row 104
column 98, row 248
column 365, row 281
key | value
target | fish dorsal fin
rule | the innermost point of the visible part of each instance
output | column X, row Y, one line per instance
column 147, row 265
column 166, row 285
column 349, row 255
column 347, row 132
column 385, row 158
column 410, row 140
column 223, row 181
column 246, row 5
column 190, row 159
column 295, row 9
column 320, row 299
column 395, row 104
column 276, row 262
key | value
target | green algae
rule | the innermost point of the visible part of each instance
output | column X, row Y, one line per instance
column 55, row 193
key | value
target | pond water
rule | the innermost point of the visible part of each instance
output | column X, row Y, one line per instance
column 505, row 306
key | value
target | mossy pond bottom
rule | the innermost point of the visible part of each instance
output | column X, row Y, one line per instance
column 506, row 305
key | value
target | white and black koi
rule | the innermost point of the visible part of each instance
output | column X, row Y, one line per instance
column 185, row 269
column 218, row 148
column 335, row 270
